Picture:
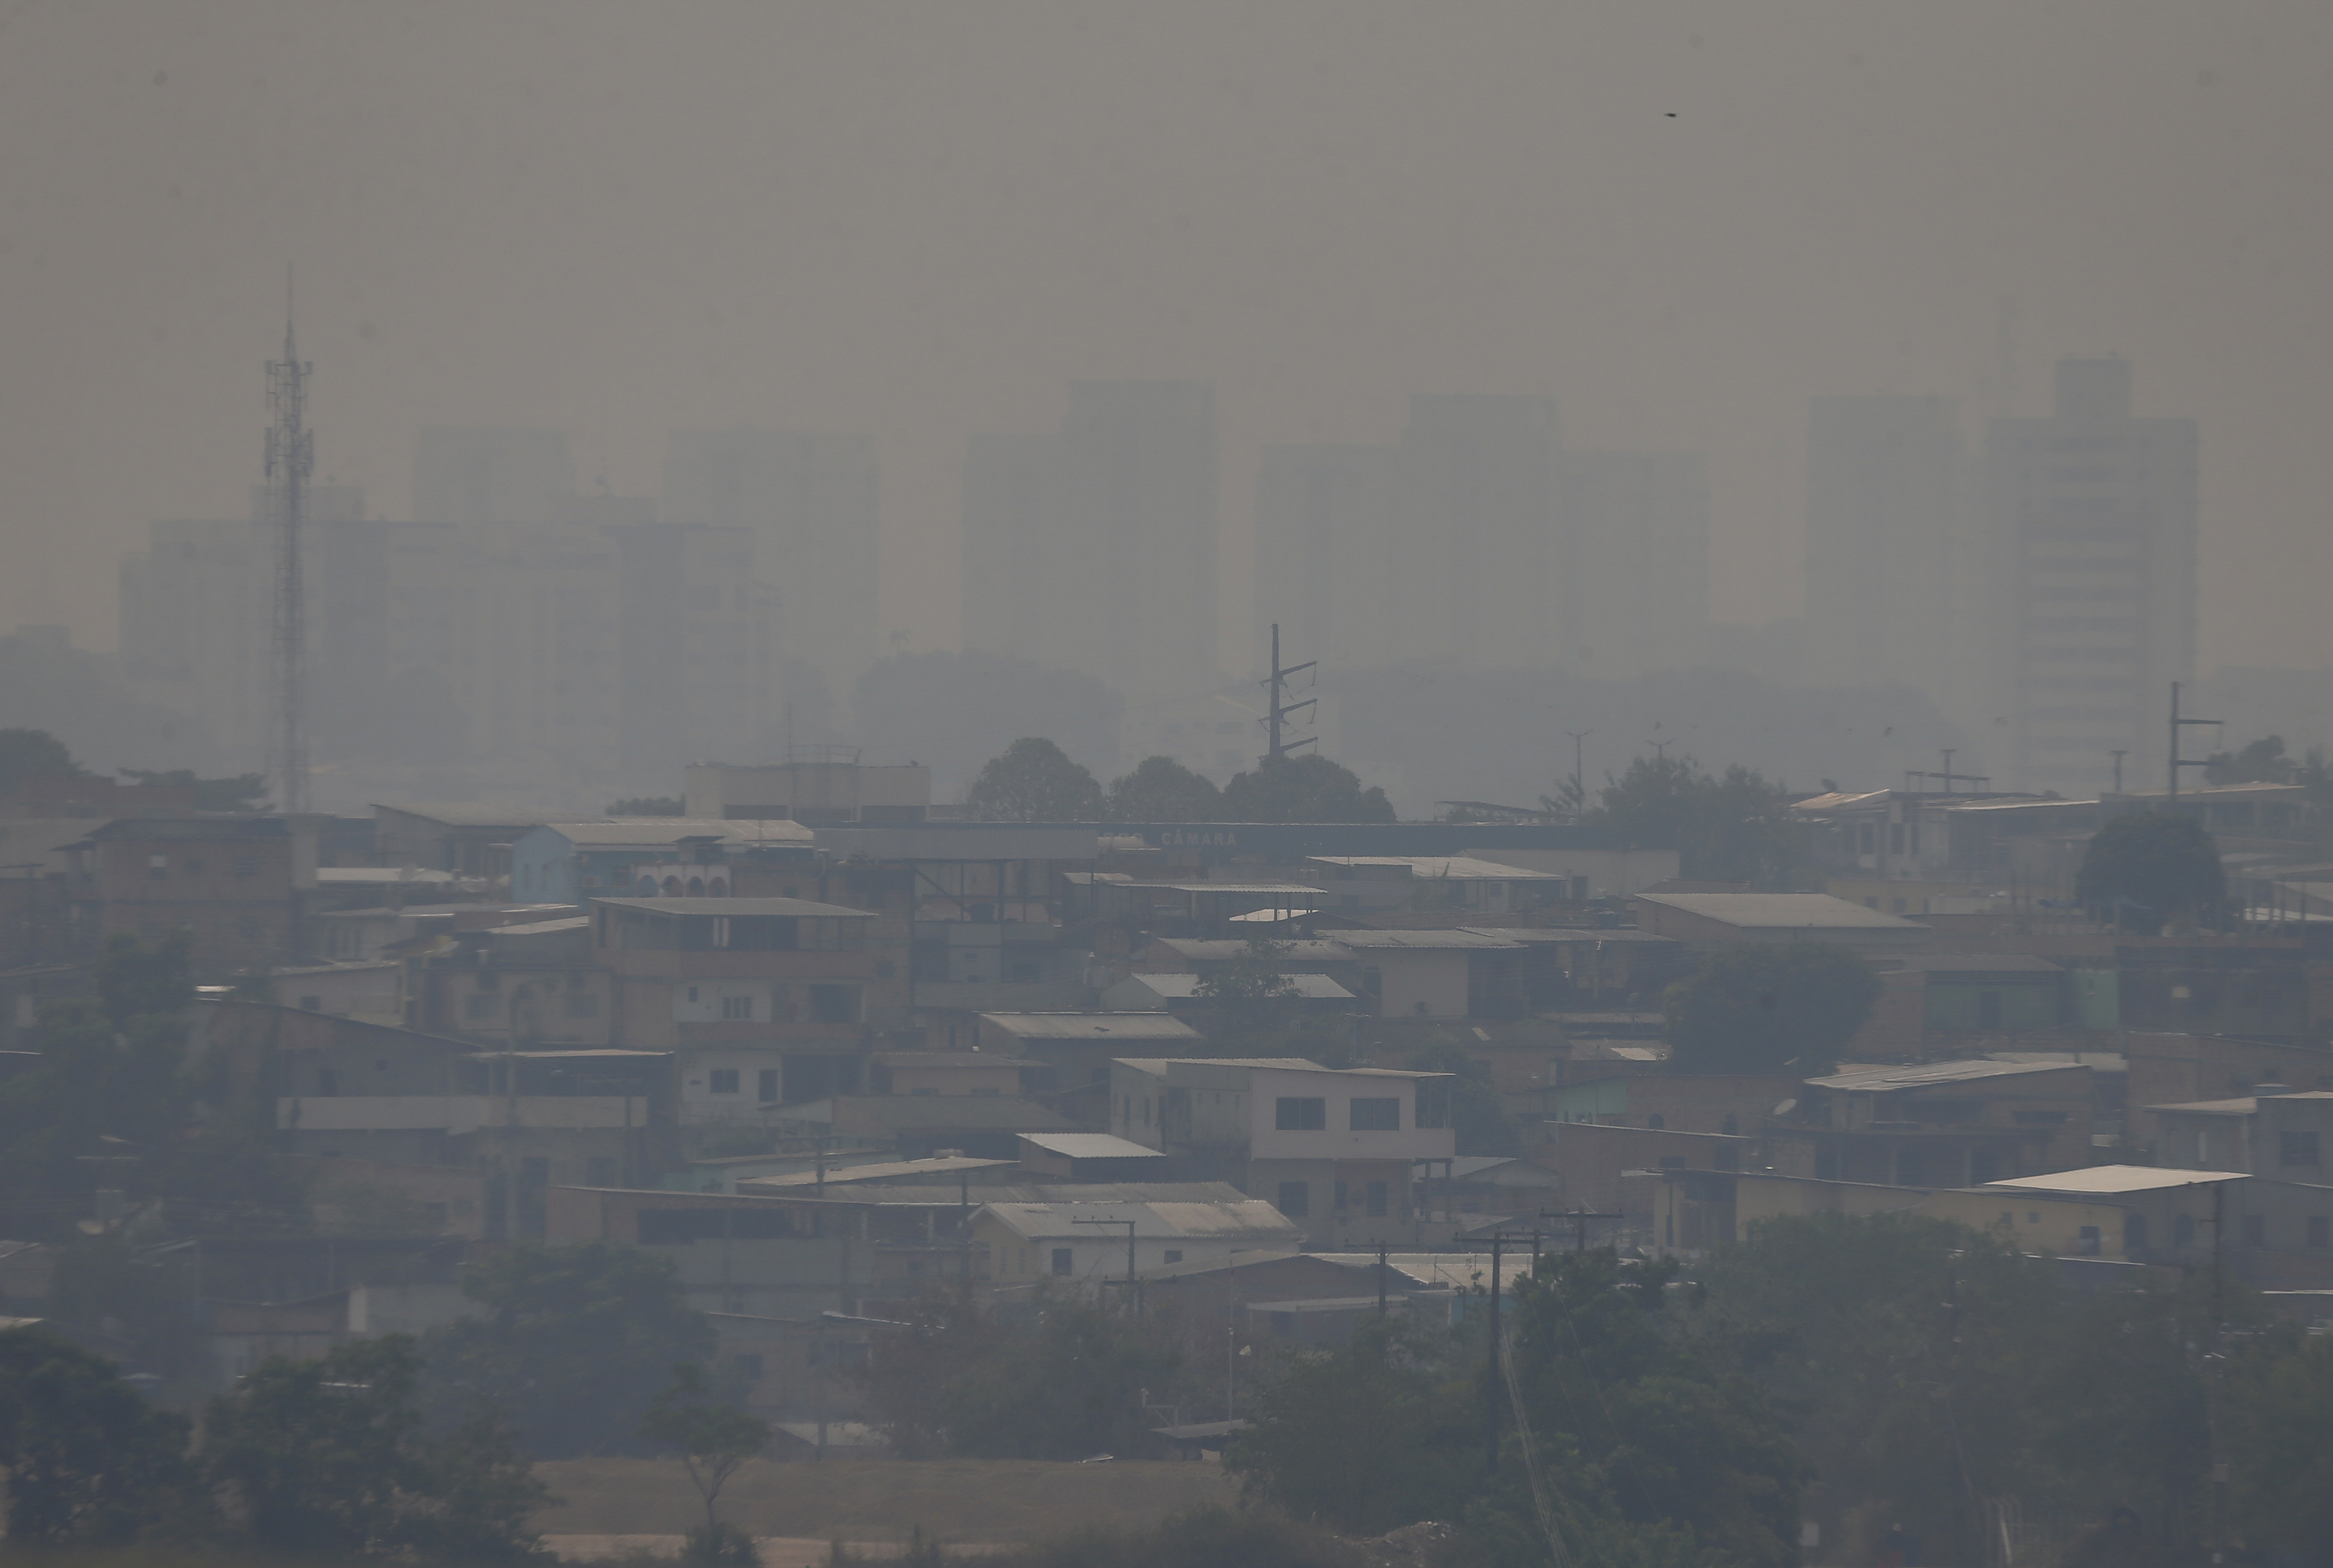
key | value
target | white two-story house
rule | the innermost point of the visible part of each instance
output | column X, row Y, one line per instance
column 1333, row 1150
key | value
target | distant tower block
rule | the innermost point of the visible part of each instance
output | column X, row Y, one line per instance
column 291, row 459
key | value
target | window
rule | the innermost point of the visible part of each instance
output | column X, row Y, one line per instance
column 1295, row 1198
column 723, row 1081
column 834, row 1004
column 1730, row 1126
column 1377, row 1115
column 582, row 1004
column 1062, row 1261
column 737, row 1008
column 1434, row 1102
column 1373, row 1200
column 2087, row 1241
column 765, row 1085
column 1338, row 1201
column 1656, row 1121
column 1300, row 1114
column 245, row 866
column 2295, row 1148
column 1173, row 1255
column 2320, row 1231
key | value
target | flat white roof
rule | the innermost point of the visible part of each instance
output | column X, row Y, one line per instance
column 2108, row 1179
column 1881, row 1079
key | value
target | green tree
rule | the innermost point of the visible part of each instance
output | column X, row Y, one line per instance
column 328, row 1459
column 713, row 1440
column 1034, row 781
column 2280, row 1408
column 89, row 1461
column 1307, row 789
column 29, row 754
column 1734, row 826
column 575, row 1341
column 1066, row 1388
column 1161, row 789
column 1256, row 976
column 648, row 806
column 2162, row 863
column 1380, row 1432
column 1639, row 1426
column 2263, row 761
column 237, row 792
column 1759, row 1007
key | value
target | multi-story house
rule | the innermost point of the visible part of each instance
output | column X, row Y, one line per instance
column 764, row 999
column 1333, row 1150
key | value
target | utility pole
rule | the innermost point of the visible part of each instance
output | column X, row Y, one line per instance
column 1132, row 1278
column 1660, row 748
column 1579, row 765
column 2117, row 757
column 1281, row 709
column 291, row 459
column 1381, row 1279
column 1490, row 1375
column 1579, row 1219
column 2178, row 761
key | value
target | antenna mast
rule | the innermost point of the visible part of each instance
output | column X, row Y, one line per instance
column 291, row 459
column 1281, row 710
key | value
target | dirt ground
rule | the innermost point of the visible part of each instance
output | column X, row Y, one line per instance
column 870, row 1500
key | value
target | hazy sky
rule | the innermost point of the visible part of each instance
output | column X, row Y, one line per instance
column 920, row 220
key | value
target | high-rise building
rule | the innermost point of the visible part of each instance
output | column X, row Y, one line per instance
column 1095, row 549
column 2090, row 535
column 492, row 476
column 1887, row 529
column 1631, row 563
column 813, row 504
column 1477, row 540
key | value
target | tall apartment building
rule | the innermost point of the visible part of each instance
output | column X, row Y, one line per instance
column 561, row 653
column 1477, row 540
column 2091, row 540
column 813, row 504
column 1888, row 531
column 1095, row 549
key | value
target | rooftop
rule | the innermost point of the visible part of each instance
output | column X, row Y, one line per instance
column 2106, row 1180
column 1424, row 940
column 884, row 1171
column 1091, row 1025
column 1817, row 910
column 1454, row 867
column 1186, row 986
column 1090, row 1146
column 657, row 832
column 1164, row 1220
column 452, row 814
column 2244, row 1106
column 1879, row 1080
column 800, row 908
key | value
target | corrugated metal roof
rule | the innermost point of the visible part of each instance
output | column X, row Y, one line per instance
column 1202, row 950
column 1542, row 935
column 802, row 908
column 660, row 832
column 1882, row 1079
column 2108, row 1179
column 951, row 1194
column 1423, row 940
column 453, row 814
column 1819, row 911
column 1091, row 1025
column 1442, row 867
column 1186, row 986
column 886, row 1170
column 1975, row 964
column 1090, row 1146
column 1246, row 1216
column 541, row 927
